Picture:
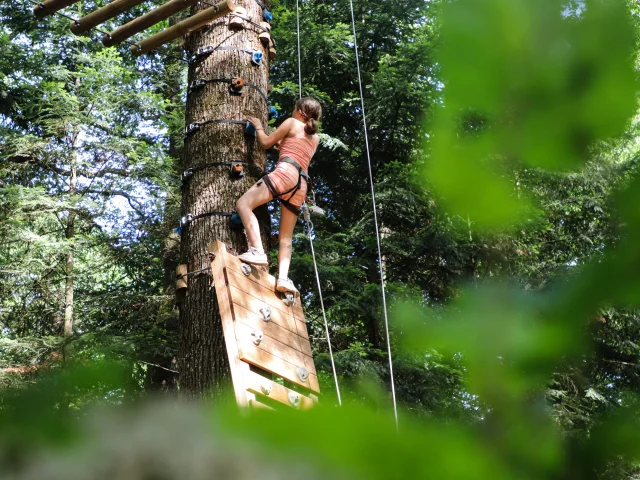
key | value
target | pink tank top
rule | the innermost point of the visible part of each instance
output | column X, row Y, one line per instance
column 300, row 148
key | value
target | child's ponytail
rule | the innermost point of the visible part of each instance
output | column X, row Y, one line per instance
column 311, row 128
column 311, row 111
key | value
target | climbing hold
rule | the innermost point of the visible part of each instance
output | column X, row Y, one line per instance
column 266, row 313
column 237, row 84
column 186, row 220
column 250, row 130
column 256, row 58
column 266, row 389
column 272, row 52
column 268, row 16
column 236, row 22
column 265, row 35
column 186, row 175
column 294, row 399
column 303, row 374
column 236, row 222
column 288, row 299
column 197, row 85
column 246, row 269
column 237, row 169
column 273, row 113
column 256, row 336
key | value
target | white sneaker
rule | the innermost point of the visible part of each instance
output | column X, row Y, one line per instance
column 285, row 285
column 254, row 257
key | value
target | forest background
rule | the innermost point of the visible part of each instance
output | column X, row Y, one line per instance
column 504, row 143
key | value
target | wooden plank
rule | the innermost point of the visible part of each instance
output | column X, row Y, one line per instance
column 139, row 24
column 278, row 393
column 255, row 356
column 305, row 347
column 49, row 7
column 260, row 406
column 271, row 328
column 253, row 304
column 296, row 309
column 194, row 22
column 301, row 329
column 238, row 368
column 280, row 326
column 276, row 348
column 263, row 278
column 258, row 291
column 95, row 18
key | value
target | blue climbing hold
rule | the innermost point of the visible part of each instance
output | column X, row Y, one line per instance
column 256, row 58
column 273, row 112
column 268, row 16
column 249, row 129
column 236, row 222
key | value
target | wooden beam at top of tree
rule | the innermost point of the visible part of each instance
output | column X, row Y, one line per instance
column 116, row 7
column 147, row 20
column 188, row 25
column 49, row 7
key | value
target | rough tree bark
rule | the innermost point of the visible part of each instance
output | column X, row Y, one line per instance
column 202, row 361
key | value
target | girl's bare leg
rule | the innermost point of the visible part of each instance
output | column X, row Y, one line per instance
column 257, row 195
column 288, row 221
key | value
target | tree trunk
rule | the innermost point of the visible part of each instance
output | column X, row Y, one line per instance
column 70, row 236
column 203, row 363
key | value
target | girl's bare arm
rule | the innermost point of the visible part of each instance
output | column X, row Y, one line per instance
column 268, row 141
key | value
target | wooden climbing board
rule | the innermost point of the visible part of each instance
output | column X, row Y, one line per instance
column 267, row 341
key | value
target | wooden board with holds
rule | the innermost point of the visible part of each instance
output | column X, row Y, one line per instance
column 266, row 336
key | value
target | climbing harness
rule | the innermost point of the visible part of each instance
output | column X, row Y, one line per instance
column 236, row 85
column 293, row 190
column 375, row 214
column 203, row 52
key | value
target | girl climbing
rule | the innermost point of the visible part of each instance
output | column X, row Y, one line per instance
column 288, row 183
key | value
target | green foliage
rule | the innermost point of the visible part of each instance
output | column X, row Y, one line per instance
column 513, row 95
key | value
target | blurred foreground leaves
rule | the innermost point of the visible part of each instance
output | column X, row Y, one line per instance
column 534, row 83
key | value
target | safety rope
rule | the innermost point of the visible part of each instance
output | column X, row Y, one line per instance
column 307, row 217
column 375, row 213
column 299, row 58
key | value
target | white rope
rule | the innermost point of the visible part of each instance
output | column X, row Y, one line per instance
column 299, row 58
column 375, row 214
column 307, row 217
